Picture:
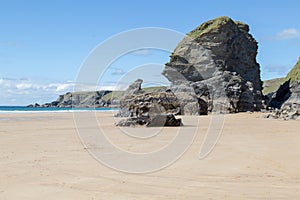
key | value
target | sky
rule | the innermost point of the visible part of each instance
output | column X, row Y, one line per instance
column 43, row 44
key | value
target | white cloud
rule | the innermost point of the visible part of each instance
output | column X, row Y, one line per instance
column 26, row 91
column 118, row 72
column 142, row 52
column 64, row 87
column 24, row 86
column 108, row 87
column 290, row 33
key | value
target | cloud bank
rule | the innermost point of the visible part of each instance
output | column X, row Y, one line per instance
column 25, row 91
column 286, row 34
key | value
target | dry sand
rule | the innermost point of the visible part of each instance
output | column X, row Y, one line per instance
column 41, row 157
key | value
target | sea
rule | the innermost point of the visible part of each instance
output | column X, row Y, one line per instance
column 24, row 109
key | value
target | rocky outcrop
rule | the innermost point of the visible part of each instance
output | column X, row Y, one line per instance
column 98, row 99
column 34, row 105
column 78, row 99
column 214, row 69
column 136, row 102
column 127, row 100
column 150, row 109
column 151, row 121
column 291, row 108
column 135, row 88
column 148, row 104
column 276, row 99
column 287, row 101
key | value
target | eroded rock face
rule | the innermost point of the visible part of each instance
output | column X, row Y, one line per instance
column 148, row 109
column 149, row 104
column 134, row 88
column 216, row 65
column 276, row 99
column 286, row 101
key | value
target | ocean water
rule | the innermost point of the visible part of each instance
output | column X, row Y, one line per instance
column 24, row 109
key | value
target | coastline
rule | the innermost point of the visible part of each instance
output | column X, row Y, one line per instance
column 25, row 109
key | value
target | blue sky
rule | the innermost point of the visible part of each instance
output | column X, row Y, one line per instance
column 44, row 43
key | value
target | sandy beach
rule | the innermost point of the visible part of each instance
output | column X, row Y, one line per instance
column 42, row 157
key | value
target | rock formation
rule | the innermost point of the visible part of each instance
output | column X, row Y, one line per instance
column 287, row 107
column 285, row 102
column 98, row 99
column 151, row 109
column 135, row 88
column 151, row 121
column 290, row 109
column 78, row 99
column 276, row 99
column 214, row 69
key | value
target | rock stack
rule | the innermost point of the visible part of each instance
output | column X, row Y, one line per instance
column 214, row 69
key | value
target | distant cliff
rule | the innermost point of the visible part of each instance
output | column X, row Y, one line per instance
column 78, row 99
column 86, row 99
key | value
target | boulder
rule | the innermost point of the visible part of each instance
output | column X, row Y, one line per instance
column 148, row 109
column 214, row 69
column 147, row 103
column 151, row 121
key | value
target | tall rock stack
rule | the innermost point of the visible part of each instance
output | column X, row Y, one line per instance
column 214, row 69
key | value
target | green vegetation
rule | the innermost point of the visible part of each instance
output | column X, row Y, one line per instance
column 113, row 94
column 272, row 85
column 118, row 94
column 294, row 74
column 214, row 24
column 208, row 26
column 154, row 89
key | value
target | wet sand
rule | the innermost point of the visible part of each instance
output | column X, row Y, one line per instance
column 42, row 157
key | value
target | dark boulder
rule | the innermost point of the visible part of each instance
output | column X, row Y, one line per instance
column 143, row 104
column 156, row 120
